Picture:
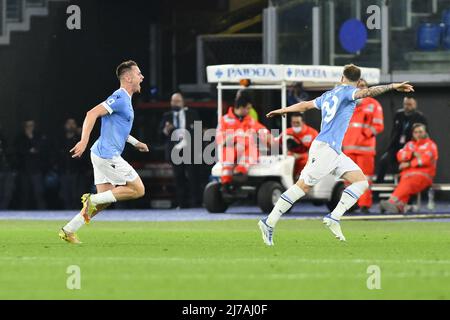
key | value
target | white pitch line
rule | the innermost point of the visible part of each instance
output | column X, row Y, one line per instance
column 300, row 275
column 273, row 276
column 397, row 217
column 231, row 260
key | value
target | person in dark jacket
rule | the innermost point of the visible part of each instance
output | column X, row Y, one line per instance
column 71, row 171
column 7, row 175
column 177, row 131
column 31, row 151
column 404, row 120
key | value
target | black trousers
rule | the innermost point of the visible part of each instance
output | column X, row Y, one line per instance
column 187, row 185
column 31, row 191
column 7, row 186
column 72, row 186
column 388, row 163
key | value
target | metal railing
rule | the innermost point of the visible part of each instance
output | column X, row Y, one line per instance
column 36, row 3
column 215, row 49
column 308, row 32
column 14, row 10
column 2, row 16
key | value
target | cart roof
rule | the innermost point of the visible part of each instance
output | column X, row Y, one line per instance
column 310, row 75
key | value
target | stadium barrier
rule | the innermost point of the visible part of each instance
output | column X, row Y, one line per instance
column 389, row 187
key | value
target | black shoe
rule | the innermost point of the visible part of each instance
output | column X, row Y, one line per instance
column 365, row 210
column 387, row 206
column 195, row 205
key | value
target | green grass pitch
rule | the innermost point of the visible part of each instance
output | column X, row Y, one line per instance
column 225, row 260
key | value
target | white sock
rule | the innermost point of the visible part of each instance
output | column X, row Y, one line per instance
column 74, row 224
column 349, row 197
column 286, row 201
column 103, row 197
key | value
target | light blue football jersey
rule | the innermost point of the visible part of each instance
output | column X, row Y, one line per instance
column 337, row 108
column 116, row 126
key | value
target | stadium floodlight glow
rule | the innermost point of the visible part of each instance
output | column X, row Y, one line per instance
column 278, row 77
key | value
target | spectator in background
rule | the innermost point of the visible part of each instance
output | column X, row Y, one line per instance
column 417, row 169
column 401, row 133
column 30, row 157
column 237, row 136
column 299, row 138
column 71, row 171
column 360, row 140
column 187, row 185
column 245, row 94
column 7, row 175
column 296, row 93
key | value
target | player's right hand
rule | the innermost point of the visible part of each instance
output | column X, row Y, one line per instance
column 78, row 149
column 274, row 113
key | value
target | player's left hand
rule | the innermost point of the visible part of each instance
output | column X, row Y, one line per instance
column 404, row 87
column 274, row 113
column 142, row 147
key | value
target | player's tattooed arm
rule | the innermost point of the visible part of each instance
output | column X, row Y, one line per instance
column 373, row 91
column 377, row 90
column 298, row 107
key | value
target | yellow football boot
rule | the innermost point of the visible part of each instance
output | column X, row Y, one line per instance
column 88, row 208
column 69, row 237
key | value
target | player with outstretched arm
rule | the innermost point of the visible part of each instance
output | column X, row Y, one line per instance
column 115, row 179
column 325, row 155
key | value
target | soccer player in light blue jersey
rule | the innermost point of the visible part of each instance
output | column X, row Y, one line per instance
column 325, row 155
column 115, row 179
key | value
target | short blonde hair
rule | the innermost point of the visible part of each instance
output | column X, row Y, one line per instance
column 352, row 72
column 124, row 67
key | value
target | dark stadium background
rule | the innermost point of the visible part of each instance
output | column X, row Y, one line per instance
column 50, row 73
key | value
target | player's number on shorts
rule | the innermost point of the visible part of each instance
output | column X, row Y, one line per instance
column 330, row 110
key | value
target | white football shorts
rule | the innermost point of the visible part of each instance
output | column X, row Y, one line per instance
column 324, row 160
column 115, row 171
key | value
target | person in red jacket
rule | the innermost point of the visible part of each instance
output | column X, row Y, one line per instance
column 237, row 135
column 417, row 169
column 360, row 139
column 300, row 136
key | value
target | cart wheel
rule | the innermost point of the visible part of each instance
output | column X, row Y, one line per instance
column 268, row 195
column 212, row 198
